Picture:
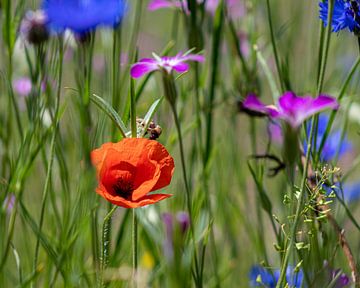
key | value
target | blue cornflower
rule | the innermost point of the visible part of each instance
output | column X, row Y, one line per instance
column 269, row 280
column 351, row 191
column 331, row 145
column 82, row 16
column 346, row 14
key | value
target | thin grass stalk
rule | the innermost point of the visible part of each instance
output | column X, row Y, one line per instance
column 171, row 95
column 52, row 152
column 218, row 28
column 273, row 43
column 116, row 58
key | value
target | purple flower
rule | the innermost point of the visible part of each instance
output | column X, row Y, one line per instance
column 168, row 241
column 166, row 63
column 183, row 220
column 22, row 86
column 9, row 202
column 342, row 280
column 291, row 108
column 83, row 16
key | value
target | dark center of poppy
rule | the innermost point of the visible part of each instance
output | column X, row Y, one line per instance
column 123, row 188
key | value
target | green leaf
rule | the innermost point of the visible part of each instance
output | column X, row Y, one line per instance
column 150, row 114
column 113, row 115
column 273, row 87
column 43, row 239
column 265, row 201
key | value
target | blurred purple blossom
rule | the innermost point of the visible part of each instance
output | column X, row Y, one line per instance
column 291, row 108
column 22, row 86
column 174, row 227
column 183, row 220
column 168, row 241
column 9, row 202
column 167, row 63
column 342, row 281
column 99, row 63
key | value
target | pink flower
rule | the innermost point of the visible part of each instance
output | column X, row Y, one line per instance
column 235, row 8
column 22, row 86
column 291, row 108
column 166, row 63
column 159, row 4
column 8, row 203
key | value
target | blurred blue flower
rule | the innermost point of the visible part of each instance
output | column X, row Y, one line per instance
column 82, row 16
column 346, row 14
column 269, row 280
column 331, row 145
column 351, row 191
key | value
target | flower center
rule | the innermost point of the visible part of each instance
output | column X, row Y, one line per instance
column 355, row 10
column 123, row 188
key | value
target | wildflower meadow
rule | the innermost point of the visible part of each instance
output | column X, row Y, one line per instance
column 180, row 143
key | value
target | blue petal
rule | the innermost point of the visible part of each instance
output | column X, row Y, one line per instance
column 343, row 15
column 82, row 16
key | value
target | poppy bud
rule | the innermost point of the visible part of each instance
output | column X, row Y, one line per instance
column 33, row 27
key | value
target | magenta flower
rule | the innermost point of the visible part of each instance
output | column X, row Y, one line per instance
column 166, row 63
column 291, row 108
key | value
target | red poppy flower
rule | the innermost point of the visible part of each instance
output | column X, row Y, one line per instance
column 130, row 169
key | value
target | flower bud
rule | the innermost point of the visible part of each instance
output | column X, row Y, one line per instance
column 33, row 27
column 183, row 220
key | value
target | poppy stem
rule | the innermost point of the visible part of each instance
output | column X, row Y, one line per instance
column 134, row 247
column 106, row 231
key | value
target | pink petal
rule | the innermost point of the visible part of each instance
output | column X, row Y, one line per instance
column 253, row 103
column 159, row 4
column 143, row 67
column 193, row 57
column 296, row 109
column 181, row 67
column 315, row 106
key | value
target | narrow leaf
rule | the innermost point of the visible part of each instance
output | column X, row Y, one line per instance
column 113, row 115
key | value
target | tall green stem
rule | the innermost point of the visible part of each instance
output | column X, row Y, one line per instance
column 52, row 153
column 134, row 248
column 273, row 43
